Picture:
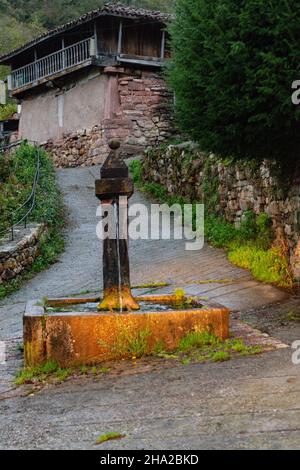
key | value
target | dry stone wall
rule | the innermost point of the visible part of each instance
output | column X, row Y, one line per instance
column 142, row 118
column 231, row 189
column 17, row 256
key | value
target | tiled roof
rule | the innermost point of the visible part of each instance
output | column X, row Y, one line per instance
column 116, row 9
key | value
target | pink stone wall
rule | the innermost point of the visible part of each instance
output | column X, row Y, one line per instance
column 138, row 110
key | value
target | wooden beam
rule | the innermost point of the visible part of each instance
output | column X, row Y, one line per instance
column 131, row 60
column 120, row 37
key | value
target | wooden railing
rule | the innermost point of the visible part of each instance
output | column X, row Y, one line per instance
column 52, row 64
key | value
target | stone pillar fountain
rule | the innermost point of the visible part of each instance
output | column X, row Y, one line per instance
column 114, row 190
column 80, row 331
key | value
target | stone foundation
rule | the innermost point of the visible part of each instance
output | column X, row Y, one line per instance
column 17, row 256
column 138, row 111
column 231, row 189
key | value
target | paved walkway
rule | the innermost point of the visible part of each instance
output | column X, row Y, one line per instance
column 250, row 402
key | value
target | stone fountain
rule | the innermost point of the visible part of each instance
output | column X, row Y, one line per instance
column 84, row 331
column 113, row 185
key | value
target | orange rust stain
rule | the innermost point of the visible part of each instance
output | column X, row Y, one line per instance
column 75, row 339
column 114, row 299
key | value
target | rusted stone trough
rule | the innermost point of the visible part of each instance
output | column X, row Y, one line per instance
column 76, row 337
column 91, row 331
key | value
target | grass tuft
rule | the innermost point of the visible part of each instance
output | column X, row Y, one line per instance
column 196, row 340
column 110, row 436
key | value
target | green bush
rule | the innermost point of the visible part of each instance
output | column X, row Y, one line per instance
column 136, row 170
column 266, row 265
column 16, row 178
column 7, row 111
column 232, row 69
column 17, row 174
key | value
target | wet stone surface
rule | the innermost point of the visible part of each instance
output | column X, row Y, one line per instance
column 250, row 402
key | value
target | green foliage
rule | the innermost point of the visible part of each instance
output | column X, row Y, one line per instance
column 51, row 372
column 6, row 111
column 33, row 375
column 252, row 227
column 202, row 346
column 218, row 231
column 210, row 187
column 197, row 339
column 17, row 173
column 110, row 436
column 21, row 20
column 250, row 247
column 232, row 70
column 157, row 190
column 130, row 344
column 16, row 177
column 220, row 356
column 136, row 170
column 266, row 265
column 51, row 245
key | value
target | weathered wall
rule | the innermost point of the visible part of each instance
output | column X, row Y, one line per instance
column 17, row 256
column 134, row 106
column 53, row 112
column 231, row 189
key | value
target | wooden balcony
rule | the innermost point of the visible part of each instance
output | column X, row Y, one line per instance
column 52, row 65
column 72, row 58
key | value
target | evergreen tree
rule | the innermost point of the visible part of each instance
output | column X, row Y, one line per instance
column 232, row 70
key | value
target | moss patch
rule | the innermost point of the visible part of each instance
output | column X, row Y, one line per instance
column 51, row 372
column 205, row 346
column 110, row 436
column 130, row 344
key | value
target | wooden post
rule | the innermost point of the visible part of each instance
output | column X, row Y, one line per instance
column 120, row 38
column 163, row 45
column 36, row 66
column 63, row 54
column 2, row 92
column 96, row 39
column 9, row 83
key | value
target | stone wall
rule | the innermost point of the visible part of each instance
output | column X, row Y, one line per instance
column 82, row 148
column 231, row 189
column 17, row 256
column 138, row 111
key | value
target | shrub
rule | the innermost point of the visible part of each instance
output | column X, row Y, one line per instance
column 266, row 265
column 16, row 178
column 17, row 173
column 7, row 111
column 136, row 170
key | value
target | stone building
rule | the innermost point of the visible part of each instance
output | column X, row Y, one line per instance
column 96, row 77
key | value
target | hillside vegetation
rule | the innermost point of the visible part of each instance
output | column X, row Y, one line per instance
column 21, row 20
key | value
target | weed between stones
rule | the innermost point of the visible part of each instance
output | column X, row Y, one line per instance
column 194, row 347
